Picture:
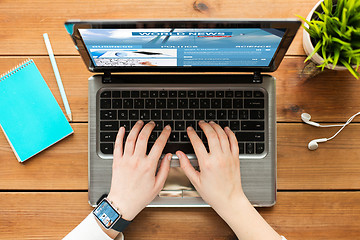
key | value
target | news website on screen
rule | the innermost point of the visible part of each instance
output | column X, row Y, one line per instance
column 242, row 47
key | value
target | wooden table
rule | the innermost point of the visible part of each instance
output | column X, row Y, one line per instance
column 46, row 197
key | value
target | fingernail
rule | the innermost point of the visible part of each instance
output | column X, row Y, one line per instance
column 201, row 121
column 152, row 122
column 190, row 128
column 212, row 122
column 167, row 127
column 169, row 157
column 140, row 122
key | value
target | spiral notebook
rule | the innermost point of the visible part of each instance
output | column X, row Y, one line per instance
column 30, row 117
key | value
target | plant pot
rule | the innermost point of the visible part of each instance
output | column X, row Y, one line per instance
column 308, row 45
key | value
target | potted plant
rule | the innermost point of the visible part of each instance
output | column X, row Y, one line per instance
column 331, row 37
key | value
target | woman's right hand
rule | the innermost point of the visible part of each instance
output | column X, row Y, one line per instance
column 218, row 181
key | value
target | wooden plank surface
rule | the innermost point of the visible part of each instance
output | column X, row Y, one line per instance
column 21, row 34
column 335, row 165
column 297, row 215
column 329, row 97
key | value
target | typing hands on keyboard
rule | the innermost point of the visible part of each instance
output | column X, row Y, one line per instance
column 241, row 110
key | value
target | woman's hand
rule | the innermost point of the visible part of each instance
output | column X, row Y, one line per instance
column 218, row 181
column 134, row 183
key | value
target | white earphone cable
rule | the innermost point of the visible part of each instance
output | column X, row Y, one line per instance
column 343, row 126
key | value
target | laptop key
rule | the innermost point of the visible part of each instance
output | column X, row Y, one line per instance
column 243, row 114
column 221, row 114
column 248, row 94
column 239, row 94
column 210, row 94
column 224, row 124
column 229, row 94
column 174, row 137
column 232, row 114
column 107, row 114
column 234, row 125
column 190, row 124
column 182, row 94
column 180, row 125
column 191, row 94
column 172, row 103
column 215, row 103
column 125, row 94
column 250, row 136
column 170, row 123
column 144, row 94
column 188, row 114
column 194, row 103
column 204, row 103
column 139, row 103
column 126, row 125
column 160, row 103
column 220, row 94
column 241, row 148
column 109, row 125
column 115, row 94
column 249, row 148
column 184, row 137
column 166, row 114
column 107, row 148
column 200, row 94
column 199, row 114
column 105, row 103
column 237, row 103
column 144, row 114
column 128, row 103
column 163, row 94
column 108, row 136
column 116, row 103
column 254, row 103
column 210, row 114
column 133, row 114
column 172, row 94
column 155, row 114
column 177, row 114
column 226, row 103
column 123, row 114
column 154, row 94
column 252, row 125
column 105, row 94
column 149, row 103
column 257, row 114
column 183, row 103
column 153, row 136
column 158, row 126
column 258, row 94
column 260, row 147
column 135, row 94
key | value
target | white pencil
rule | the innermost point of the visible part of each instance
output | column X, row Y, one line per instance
column 57, row 75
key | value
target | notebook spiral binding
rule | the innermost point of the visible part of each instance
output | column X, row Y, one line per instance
column 15, row 69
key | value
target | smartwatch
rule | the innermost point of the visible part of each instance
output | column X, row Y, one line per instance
column 109, row 216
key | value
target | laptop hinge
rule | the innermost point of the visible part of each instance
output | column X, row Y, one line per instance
column 257, row 77
column 107, row 77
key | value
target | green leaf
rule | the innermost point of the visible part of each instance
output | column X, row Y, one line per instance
column 316, row 49
column 351, row 70
column 336, row 57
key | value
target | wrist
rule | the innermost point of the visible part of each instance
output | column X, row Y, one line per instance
column 234, row 203
column 125, row 211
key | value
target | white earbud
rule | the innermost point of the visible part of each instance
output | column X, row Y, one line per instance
column 305, row 117
column 313, row 145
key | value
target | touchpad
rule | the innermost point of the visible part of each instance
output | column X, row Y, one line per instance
column 177, row 180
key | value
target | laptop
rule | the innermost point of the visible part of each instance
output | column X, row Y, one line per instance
column 178, row 72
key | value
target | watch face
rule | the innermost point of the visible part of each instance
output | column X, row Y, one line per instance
column 106, row 214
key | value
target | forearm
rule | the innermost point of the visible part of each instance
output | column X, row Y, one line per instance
column 245, row 221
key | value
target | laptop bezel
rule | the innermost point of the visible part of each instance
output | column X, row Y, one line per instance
column 291, row 26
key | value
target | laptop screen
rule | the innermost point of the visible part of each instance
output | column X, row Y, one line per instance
column 216, row 45
column 182, row 47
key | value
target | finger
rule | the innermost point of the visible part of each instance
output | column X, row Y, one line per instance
column 160, row 143
column 163, row 172
column 189, row 170
column 234, row 146
column 143, row 138
column 118, row 149
column 223, row 137
column 198, row 145
column 131, row 139
column 212, row 137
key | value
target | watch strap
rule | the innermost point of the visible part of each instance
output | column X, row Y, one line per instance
column 120, row 224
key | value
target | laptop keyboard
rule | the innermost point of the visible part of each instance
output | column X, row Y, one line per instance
column 242, row 110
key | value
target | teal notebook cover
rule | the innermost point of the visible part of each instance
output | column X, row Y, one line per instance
column 30, row 117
